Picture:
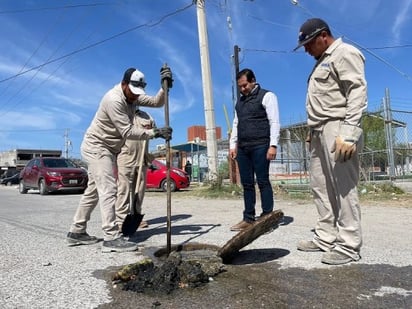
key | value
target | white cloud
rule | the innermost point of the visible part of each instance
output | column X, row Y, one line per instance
column 401, row 19
column 177, row 60
column 29, row 119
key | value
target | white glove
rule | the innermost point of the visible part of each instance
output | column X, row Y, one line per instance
column 345, row 143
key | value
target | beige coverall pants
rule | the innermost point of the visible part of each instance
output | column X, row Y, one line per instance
column 102, row 189
column 123, row 196
column 335, row 194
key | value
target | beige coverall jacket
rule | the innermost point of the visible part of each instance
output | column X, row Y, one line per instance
column 337, row 95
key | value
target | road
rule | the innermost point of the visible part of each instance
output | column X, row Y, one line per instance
column 38, row 269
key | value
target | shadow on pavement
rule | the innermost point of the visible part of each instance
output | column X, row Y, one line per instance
column 286, row 220
column 258, row 256
column 192, row 230
column 172, row 218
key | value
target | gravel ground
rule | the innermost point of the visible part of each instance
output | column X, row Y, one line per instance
column 38, row 270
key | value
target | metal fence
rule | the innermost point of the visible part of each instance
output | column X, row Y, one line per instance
column 387, row 154
column 394, row 160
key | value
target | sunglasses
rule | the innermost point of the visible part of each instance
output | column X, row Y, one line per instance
column 138, row 83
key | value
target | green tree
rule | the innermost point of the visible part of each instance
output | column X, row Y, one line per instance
column 373, row 126
column 374, row 138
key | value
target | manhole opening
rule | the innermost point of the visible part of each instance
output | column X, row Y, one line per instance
column 190, row 264
column 188, row 247
column 187, row 266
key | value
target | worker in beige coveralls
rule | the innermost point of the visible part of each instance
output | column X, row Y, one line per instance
column 110, row 127
column 128, row 169
column 336, row 99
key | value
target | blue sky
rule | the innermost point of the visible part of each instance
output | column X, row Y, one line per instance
column 58, row 58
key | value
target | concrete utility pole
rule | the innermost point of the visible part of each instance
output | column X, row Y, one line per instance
column 211, row 141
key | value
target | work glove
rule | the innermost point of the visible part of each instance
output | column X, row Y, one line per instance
column 166, row 74
column 345, row 143
column 165, row 133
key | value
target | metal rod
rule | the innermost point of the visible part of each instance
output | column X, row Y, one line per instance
column 169, row 192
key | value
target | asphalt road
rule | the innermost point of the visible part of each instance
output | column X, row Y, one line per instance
column 38, row 269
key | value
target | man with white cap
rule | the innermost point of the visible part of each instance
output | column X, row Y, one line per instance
column 335, row 101
column 111, row 126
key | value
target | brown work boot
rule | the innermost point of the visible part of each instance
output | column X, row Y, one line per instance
column 143, row 224
column 241, row 226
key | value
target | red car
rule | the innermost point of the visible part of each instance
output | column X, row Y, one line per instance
column 50, row 174
column 156, row 177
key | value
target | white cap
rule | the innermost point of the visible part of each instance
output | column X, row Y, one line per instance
column 136, row 81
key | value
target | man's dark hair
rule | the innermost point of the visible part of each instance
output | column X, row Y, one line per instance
column 127, row 75
column 250, row 76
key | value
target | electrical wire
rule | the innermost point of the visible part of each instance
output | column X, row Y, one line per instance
column 266, row 51
column 31, row 130
column 361, row 48
column 270, row 22
column 407, row 76
column 67, row 57
column 42, row 42
column 65, row 61
column 391, row 47
column 25, row 86
column 149, row 24
column 54, row 8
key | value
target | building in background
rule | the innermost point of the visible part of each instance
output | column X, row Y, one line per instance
column 16, row 159
column 199, row 132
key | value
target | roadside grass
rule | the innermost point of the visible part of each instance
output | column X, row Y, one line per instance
column 368, row 193
column 227, row 191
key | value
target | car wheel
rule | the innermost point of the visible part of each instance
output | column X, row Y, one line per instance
column 8, row 183
column 172, row 185
column 22, row 188
column 42, row 187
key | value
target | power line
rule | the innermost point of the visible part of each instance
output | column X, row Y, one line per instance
column 270, row 22
column 407, row 76
column 266, row 50
column 37, row 71
column 398, row 111
column 360, row 47
column 58, row 19
column 368, row 50
column 54, row 8
column 391, row 47
column 149, row 24
column 31, row 130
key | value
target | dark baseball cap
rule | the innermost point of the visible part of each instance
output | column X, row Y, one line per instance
column 310, row 29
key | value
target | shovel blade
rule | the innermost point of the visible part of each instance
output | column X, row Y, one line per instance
column 131, row 223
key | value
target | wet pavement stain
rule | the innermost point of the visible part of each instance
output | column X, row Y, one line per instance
column 266, row 285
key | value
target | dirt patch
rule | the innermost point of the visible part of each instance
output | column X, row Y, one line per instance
column 188, row 266
column 267, row 286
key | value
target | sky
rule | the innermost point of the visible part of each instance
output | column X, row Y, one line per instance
column 58, row 59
